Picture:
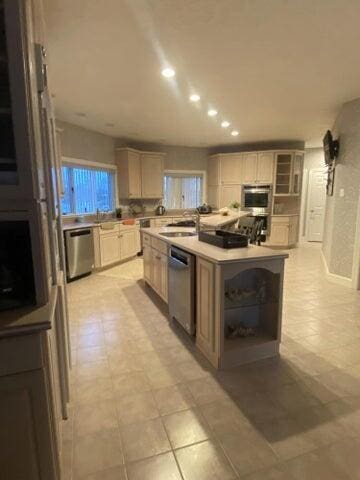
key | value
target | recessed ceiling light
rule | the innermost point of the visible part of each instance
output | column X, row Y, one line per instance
column 194, row 97
column 225, row 124
column 234, row 133
column 168, row 73
column 212, row 112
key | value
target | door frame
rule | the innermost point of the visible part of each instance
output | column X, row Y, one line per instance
column 307, row 199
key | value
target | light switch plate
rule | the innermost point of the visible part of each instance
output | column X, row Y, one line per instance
column 341, row 192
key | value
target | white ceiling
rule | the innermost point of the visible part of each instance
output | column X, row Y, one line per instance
column 276, row 69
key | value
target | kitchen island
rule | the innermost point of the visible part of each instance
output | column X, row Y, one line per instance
column 238, row 295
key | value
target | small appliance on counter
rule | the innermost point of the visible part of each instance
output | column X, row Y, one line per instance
column 160, row 210
column 204, row 209
column 223, row 238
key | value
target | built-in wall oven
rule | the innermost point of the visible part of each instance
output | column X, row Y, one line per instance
column 257, row 199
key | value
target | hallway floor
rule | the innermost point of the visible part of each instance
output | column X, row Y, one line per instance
column 147, row 406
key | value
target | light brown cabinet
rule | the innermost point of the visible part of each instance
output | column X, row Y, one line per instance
column 258, row 167
column 128, row 243
column 284, row 230
column 213, row 174
column 229, row 194
column 109, row 248
column 140, row 174
column 120, row 243
column 288, row 174
column 231, row 166
column 156, row 265
column 205, row 307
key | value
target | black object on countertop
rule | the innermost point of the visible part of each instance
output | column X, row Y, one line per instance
column 182, row 223
column 223, row 238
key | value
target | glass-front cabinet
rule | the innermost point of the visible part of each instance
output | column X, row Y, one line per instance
column 288, row 175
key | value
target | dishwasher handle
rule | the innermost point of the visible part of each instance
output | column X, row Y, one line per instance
column 176, row 264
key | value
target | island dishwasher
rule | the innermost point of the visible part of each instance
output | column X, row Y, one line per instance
column 181, row 296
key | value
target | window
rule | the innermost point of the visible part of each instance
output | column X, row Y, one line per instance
column 183, row 190
column 87, row 189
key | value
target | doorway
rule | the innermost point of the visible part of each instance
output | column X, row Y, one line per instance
column 315, row 213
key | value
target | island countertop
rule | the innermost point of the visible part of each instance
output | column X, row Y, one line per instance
column 212, row 253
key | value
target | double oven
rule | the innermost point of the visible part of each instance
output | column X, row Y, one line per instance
column 257, row 200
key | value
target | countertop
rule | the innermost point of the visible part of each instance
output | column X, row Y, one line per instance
column 212, row 253
column 26, row 320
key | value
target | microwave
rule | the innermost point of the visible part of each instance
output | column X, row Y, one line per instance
column 256, row 198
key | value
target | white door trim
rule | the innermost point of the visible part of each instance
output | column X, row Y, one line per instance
column 312, row 171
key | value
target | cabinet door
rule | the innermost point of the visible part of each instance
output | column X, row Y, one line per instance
column 265, row 167
column 283, row 173
column 147, row 256
column 28, row 444
column 293, row 230
column 163, row 286
column 134, row 174
column 205, row 315
column 127, row 244
column 279, row 234
column 109, row 248
column 229, row 194
column 148, row 263
column 249, row 167
column 213, row 171
column 152, row 175
column 230, row 169
column 297, row 170
column 213, row 196
column 156, row 270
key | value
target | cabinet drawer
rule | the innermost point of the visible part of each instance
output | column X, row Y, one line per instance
column 159, row 245
column 105, row 231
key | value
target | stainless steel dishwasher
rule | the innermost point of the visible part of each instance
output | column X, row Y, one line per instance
column 181, row 294
column 79, row 246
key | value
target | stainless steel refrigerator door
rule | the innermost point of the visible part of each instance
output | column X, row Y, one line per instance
column 79, row 252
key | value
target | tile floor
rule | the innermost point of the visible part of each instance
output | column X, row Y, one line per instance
column 147, row 406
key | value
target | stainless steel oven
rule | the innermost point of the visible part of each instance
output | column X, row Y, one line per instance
column 256, row 199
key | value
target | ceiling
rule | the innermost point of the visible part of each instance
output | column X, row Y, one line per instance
column 276, row 69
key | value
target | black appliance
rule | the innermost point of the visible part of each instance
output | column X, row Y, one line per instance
column 17, row 284
column 160, row 210
column 331, row 148
column 204, row 209
column 256, row 199
column 223, row 238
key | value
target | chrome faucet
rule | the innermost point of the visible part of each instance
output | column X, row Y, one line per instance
column 195, row 216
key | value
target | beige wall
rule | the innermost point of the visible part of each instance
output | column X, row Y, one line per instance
column 341, row 212
column 78, row 142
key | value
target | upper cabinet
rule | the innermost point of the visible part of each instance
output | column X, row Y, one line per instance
column 258, row 167
column 288, row 177
column 250, row 167
column 213, row 173
column 140, row 174
column 230, row 169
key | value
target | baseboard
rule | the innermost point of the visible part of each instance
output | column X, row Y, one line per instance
column 346, row 282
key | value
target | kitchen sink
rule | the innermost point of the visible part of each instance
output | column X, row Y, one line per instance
column 178, row 234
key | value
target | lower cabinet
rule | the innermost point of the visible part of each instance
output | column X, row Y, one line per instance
column 284, row 230
column 205, row 314
column 156, row 267
column 109, row 248
column 118, row 244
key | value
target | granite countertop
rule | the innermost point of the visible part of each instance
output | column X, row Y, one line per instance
column 212, row 253
column 30, row 319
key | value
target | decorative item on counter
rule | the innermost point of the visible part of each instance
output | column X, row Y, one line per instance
column 160, row 210
column 129, row 221
column 239, row 331
column 204, row 209
column 118, row 212
column 235, row 206
column 224, row 211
